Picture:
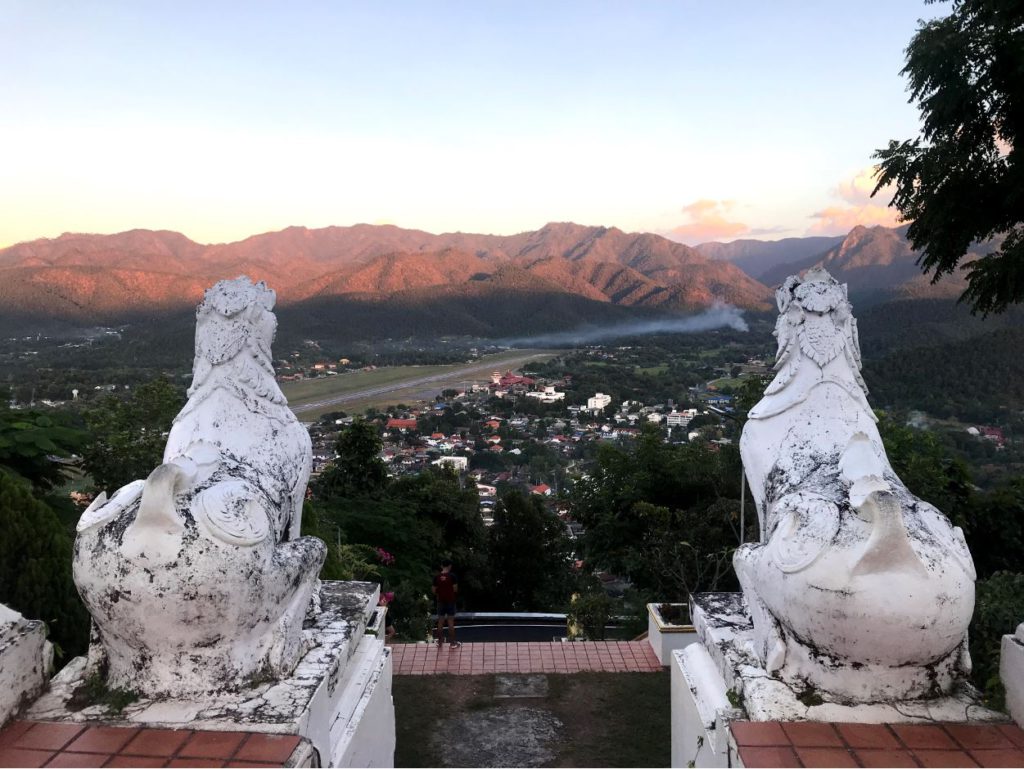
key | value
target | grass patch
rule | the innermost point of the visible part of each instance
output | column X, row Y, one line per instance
column 726, row 382
column 610, row 719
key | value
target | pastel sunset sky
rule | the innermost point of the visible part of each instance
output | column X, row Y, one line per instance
column 698, row 120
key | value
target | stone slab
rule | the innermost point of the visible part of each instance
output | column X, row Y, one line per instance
column 520, row 687
column 504, row 735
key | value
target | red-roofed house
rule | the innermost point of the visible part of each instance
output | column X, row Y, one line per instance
column 401, row 424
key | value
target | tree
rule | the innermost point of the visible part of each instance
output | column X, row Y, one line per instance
column 128, row 434
column 666, row 517
column 30, row 441
column 456, row 530
column 358, row 468
column 529, row 555
column 35, row 566
column 924, row 465
column 998, row 608
column 962, row 180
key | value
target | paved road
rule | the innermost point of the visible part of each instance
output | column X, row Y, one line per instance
column 451, row 375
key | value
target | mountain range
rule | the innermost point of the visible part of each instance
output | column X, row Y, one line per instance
column 758, row 257
column 367, row 275
column 99, row 278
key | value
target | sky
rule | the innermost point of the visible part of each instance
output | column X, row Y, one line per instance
column 696, row 120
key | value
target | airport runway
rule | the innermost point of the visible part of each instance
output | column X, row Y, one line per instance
column 454, row 375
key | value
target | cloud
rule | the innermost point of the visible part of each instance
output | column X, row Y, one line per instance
column 839, row 220
column 858, row 207
column 707, row 221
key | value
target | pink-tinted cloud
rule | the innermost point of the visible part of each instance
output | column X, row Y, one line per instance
column 839, row 220
column 708, row 221
column 858, row 206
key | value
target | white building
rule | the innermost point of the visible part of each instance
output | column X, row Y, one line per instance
column 547, row 395
column 598, row 402
column 680, row 418
column 459, row 463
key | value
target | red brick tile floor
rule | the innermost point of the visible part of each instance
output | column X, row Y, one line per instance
column 771, row 744
column 484, row 658
column 38, row 743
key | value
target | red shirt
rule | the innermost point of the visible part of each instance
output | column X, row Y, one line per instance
column 445, row 584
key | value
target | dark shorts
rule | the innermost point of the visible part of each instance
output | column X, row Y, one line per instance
column 445, row 609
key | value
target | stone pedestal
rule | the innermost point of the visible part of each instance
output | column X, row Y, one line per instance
column 1011, row 671
column 665, row 637
column 338, row 697
column 720, row 679
column 25, row 661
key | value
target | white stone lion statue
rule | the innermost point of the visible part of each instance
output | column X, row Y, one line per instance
column 858, row 588
column 197, row 578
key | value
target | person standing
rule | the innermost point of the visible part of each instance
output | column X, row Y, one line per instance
column 446, row 589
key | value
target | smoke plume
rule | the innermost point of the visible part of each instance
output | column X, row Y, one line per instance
column 718, row 316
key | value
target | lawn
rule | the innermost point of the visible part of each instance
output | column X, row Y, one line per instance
column 607, row 719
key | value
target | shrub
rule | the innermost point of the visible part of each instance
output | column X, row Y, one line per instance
column 590, row 612
column 998, row 609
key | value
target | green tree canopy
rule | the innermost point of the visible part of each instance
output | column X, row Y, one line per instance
column 35, row 566
column 962, row 180
column 667, row 517
column 128, row 435
column 529, row 555
column 31, row 443
column 358, row 468
column 417, row 520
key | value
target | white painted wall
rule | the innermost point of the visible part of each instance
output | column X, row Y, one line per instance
column 700, row 710
column 1011, row 671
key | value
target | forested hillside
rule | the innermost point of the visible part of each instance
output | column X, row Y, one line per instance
column 976, row 380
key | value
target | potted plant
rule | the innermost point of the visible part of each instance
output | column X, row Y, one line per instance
column 669, row 629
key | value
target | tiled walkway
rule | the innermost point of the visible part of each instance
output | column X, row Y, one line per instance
column 797, row 744
column 36, row 743
column 483, row 658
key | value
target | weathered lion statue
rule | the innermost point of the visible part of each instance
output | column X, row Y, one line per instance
column 197, row 578
column 858, row 589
